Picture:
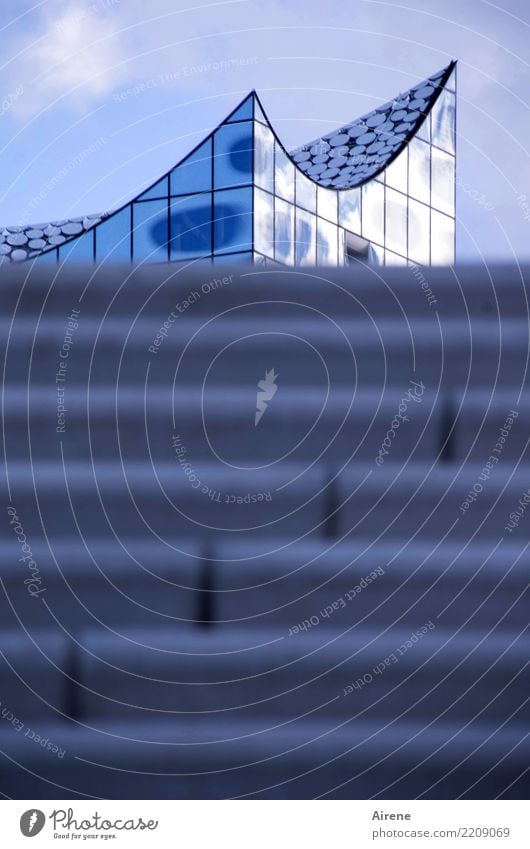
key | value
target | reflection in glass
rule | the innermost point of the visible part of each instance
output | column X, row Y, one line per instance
column 394, row 259
column 306, row 192
column 306, row 232
column 326, row 242
column 159, row 190
column 443, row 181
column 442, row 239
column 263, row 157
column 232, row 165
column 113, row 238
column 396, row 173
column 263, row 222
column 233, row 220
column 195, row 173
column 419, row 170
column 373, row 222
column 191, row 226
column 327, row 203
column 245, row 112
column 443, row 122
column 78, row 250
column 284, row 232
column 424, row 131
column 350, row 210
column 376, row 255
column 396, row 222
column 284, row 175
column 150, row 231
column 419, row 232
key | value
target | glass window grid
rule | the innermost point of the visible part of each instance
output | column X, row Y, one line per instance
column 380, row 243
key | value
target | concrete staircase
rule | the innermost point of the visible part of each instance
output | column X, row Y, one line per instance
column 332, row 603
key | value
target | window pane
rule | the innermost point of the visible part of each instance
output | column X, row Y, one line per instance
column 159, row 190
column 443, row 122
column 244, row 112
column 396, row 221
column 284, row 232
column 327, row 204
column 78, row 250
column 284, row 175
column 263, row 222
column 306, row 192
column 113, row 238
column 419, row 170
column 397, row 173
column 191, row 226
column 376, row 255
column 326, row 242
column 418, row 232
column 442, row 239
column 373, row 212
column 443, row 181
column 306, row 233
column 232, row 220
column 263, row 157
column 350, row 210
column 233, row 155
column 394, row 259
column 195, row 173
column 150, row 231
column 424, row 131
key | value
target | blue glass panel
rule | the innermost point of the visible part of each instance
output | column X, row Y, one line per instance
column 397, row 173
column 78, row 250
column 442, row 239
column 283, row 175
column 48, row 256
column 326, row 242
column 396, row 221
column 424, row 131
column 259, row 115
column 233, row 155
column 284, row 232
column 191, row 226
column 113, row 238
column 419, row 170
column 159, row 190
column 443, row 122
column 373, row 212
column 195, row 173
column 306, row 192
column 327, row 200
column 394, row 259
column 245, row 112
column 150, row 231
column 232, row 220
column 263, row 222
column 419, row 232
column 350, row 210
column 376, row 255
column 443, row 181
column 263, row 157
column 306, row 232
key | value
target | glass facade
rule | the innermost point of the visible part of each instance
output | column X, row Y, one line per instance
column 240, row 195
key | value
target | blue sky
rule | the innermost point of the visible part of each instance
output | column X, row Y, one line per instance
column 99, row 97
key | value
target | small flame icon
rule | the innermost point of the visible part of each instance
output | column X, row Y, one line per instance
column 266, row 391
column 32, row 820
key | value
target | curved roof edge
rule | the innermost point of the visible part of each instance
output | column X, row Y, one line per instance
column 344, row 159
